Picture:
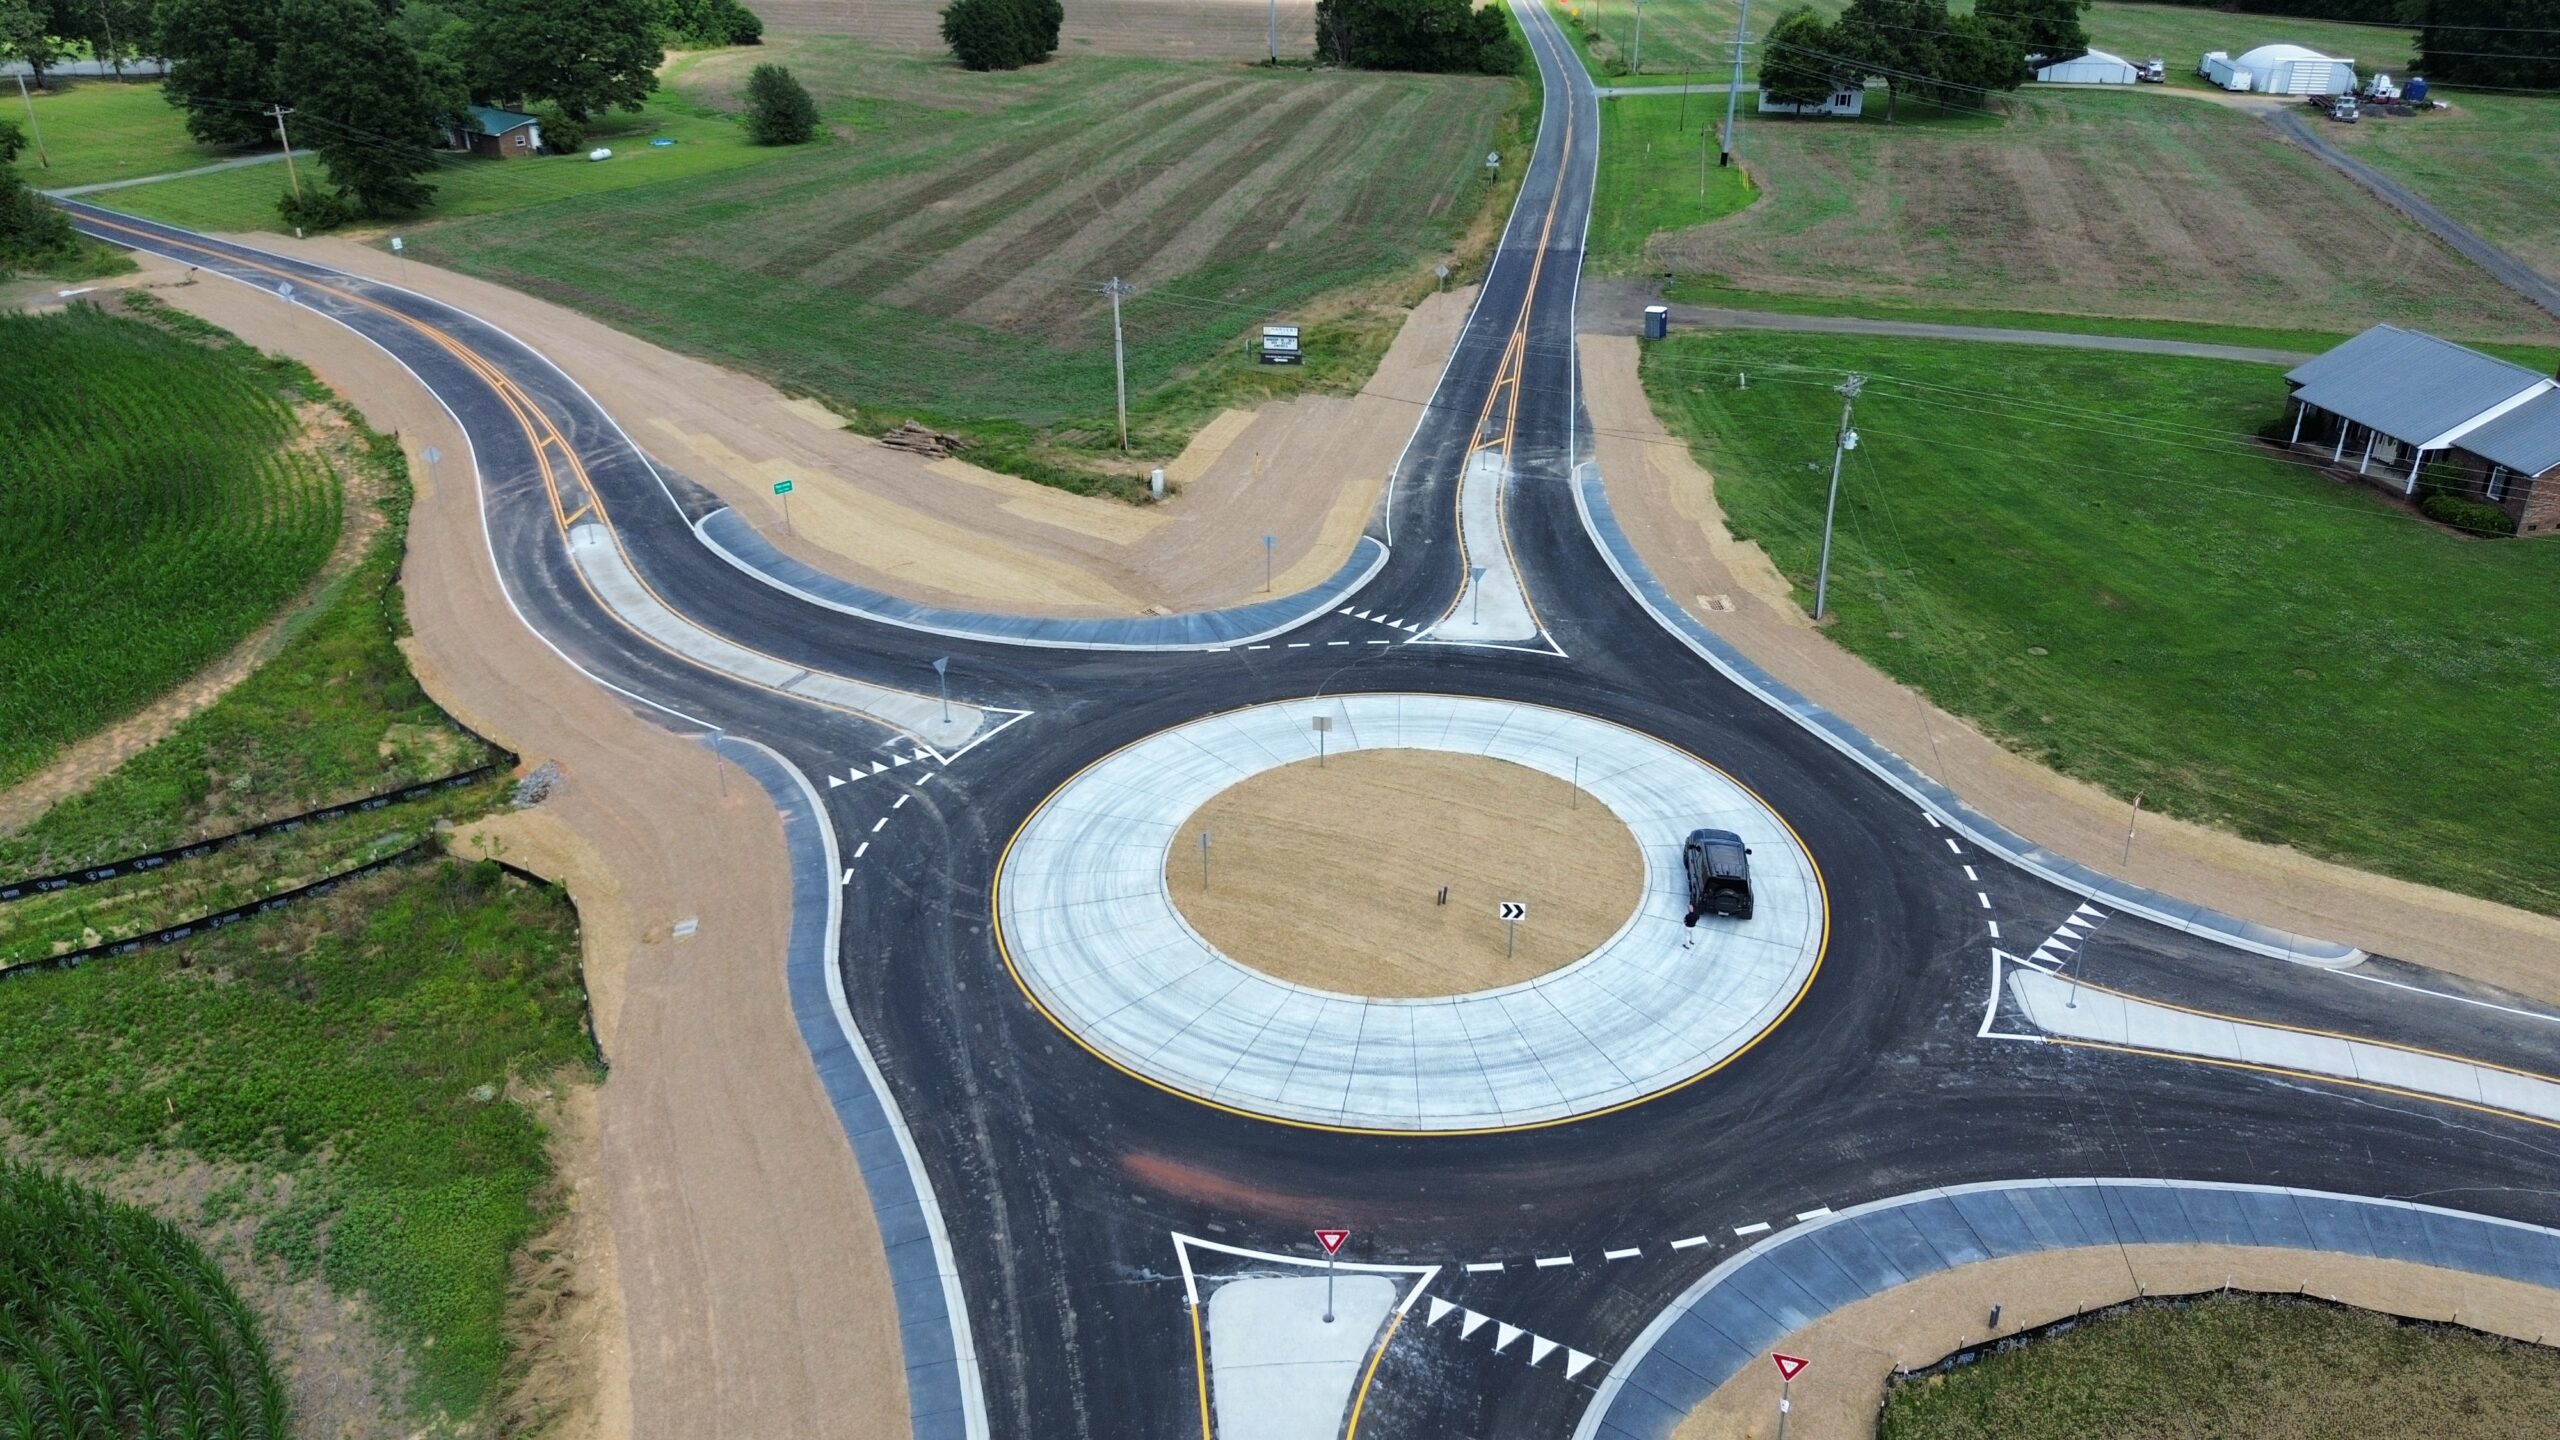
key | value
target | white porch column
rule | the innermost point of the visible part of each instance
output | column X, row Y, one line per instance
column 2366, row 463
column 2338, row 451
column 2300, row 409
column 2414, row 457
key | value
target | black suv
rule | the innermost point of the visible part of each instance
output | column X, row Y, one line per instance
column 1719, row 870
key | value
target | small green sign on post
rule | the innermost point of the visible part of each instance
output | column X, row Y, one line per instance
column 782, row 489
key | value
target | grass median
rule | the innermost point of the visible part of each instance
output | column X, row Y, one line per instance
column 2087, row 555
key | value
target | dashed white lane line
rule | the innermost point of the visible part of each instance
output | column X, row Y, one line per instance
column 1815, row 1213
column 1952, row 849
column 1257, row 647
column 1486, row 1268
column 1330, row 643
column 1995, row 928
column 1969, row 875
column 1690, row 1243
column 848, row 876
column 1757, row 1227
column 1985, row 899
column 858, row 852
column 876, row 825
column 1932, row 819
column 1629, row 1253
column 1549, row 1262
column 901, row 803
column 1382, row 642
column 927, row 776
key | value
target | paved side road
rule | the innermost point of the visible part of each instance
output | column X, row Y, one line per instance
column 1616, row 307
column 2523, row 279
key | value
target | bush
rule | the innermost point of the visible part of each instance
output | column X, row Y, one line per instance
column 2478, row 517
column 704, row 24
column 779, row 111
column 33, row 234
column 562, row 132
column 1001, row 34
column 315, row 208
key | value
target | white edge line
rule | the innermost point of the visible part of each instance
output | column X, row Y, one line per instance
column 2547, row 1019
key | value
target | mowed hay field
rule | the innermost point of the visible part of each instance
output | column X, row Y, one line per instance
column 1167, row 29
column 2143, row 206
column 2489, row 162
column 944, row 254
column 157, row 503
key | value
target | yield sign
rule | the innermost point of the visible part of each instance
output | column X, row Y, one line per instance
column 1789, row 1366
column 1332, row 1240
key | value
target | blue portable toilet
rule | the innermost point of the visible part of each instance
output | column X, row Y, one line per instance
column 2416, row 91
column 1657, row 321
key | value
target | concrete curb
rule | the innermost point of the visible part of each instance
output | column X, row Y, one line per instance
column 1950, row 809
column 727, row 534
column 946, row 1396
column 1754, row 1299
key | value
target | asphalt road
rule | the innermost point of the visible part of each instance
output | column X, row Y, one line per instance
column 1061, row 1180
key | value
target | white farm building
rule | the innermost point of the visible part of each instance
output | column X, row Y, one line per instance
column 2281, row 70
column 2095, row 68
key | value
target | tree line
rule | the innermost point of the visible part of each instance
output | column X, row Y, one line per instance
column 1918, row 48
column 373, row 86
column 1433, row 35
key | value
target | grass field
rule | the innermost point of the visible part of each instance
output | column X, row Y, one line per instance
column 706, row 141
column 2083, row 554
column 2239, row 1369
column 158, row 500
column 943, row 258
column 2130, row 205
column 2489, row 162
column 111, row 1317
column 102, row 130
column 1191, row 30
column 1698, row 34
column 348, row 1059
column 1657, row 172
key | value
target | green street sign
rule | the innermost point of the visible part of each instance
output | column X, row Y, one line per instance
column 781, row 487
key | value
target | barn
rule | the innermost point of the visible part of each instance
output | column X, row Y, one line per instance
column 2281, row 70
column 2430, row 413
column 2095, row 68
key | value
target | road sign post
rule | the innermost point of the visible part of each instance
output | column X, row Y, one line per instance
column 1331, row 1240
column 1789, row 1367
column 1268, row 541
column 1204, row 861
column 1475, row 583
column 942, row 679
column 1324, row 726
column 1513, row 912
column 782, row 490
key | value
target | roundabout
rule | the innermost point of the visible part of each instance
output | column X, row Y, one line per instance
column 1090, row 927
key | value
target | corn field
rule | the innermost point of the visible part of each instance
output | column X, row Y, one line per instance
column 158, row 501
column 114, row 1325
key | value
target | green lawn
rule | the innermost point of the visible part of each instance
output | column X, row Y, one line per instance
column 2253, row 1368
column 942, row 257
column 2148, row 206
column 706, row 142
column 2489, row 162
column 352, row 1056
column 1657, row 172
column 2083, row 554
column 100, row 130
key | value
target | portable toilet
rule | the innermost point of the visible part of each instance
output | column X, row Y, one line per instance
column 2415, row 92
column 1657, row 322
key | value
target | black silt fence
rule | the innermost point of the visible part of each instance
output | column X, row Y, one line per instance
column 144, row 864
column 203, row 924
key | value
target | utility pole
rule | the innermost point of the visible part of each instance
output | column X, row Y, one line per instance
column 1119, row 356
column 279, row 112
column 1841, row 444
column 32, row 128
column 1637, row 65
column 1733, row 92
column 1275, row 32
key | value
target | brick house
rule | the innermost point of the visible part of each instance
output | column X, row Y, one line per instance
column 488, row 130
column 2405, row 408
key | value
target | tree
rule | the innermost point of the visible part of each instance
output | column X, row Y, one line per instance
column 779, row 111
column 2050, row 28
column 2511, row 43
column 1922, row 51
column 709, row 23
column 1442, row 36
column 222, row 67
column 586, row 56
column 363, row 100
column 26, row 33
column 1001, row 34
column 1800, row 60
column 33, row 233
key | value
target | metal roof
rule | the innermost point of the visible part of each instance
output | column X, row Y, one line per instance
column 494, row 121
column 2267, row 57
column 2526, row 438
column 2410, row 386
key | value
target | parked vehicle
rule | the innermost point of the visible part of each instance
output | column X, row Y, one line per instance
column 2154, row 71
column 1718, row 866
column 2341, row 108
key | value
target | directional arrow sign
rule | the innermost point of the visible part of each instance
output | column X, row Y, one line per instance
column 1513, row 910
column 1332, row 1240
column 1789, row 1366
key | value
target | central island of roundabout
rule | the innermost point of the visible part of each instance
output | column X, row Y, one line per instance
column 1092, row 930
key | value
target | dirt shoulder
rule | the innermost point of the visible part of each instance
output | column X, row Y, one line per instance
column 944, row 532
column 1854, row 1350
column 753, row 1286
column 1667, row 503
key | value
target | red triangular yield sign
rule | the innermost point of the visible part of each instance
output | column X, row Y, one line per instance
column 1332, row 1240
column 1789, row 1366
